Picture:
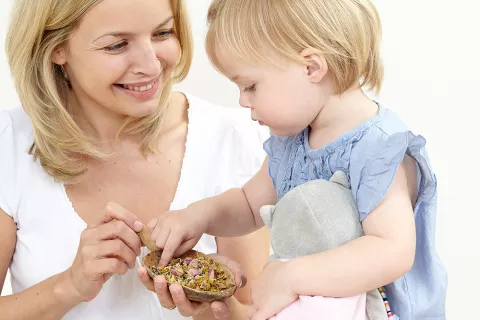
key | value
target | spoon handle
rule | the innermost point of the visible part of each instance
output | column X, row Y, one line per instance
column 146, row 238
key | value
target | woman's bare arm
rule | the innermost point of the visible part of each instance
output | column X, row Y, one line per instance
column 252, row 252
column 47, row 300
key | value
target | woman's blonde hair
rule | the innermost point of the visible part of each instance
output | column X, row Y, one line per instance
column 346, row 32
column 36, row 30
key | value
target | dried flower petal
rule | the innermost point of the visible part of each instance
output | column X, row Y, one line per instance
column 193, row 263
column 193, row 272
column 212, row 275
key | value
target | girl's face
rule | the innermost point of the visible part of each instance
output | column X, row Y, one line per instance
column 121, row 56
column 286, row 100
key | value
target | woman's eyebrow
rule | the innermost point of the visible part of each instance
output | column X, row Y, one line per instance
column 122, row 34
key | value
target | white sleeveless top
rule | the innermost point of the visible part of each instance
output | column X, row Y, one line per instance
column 223, row 150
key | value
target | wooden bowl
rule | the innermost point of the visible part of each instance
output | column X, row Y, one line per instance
column 151, row 261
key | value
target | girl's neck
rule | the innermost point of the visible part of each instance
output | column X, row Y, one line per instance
column 339, row 115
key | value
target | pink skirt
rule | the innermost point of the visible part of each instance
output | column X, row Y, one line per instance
column 319, row 308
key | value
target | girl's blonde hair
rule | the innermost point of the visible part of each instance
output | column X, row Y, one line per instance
column 346, row 32
column 36, row 30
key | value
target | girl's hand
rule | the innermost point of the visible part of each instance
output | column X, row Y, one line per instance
column 271, row 292
column 108, row 247
column 174, row 297
column 176, row 232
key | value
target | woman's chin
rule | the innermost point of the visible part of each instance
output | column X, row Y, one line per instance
column 142, row 109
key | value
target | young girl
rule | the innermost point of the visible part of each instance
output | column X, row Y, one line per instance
column 301, row 66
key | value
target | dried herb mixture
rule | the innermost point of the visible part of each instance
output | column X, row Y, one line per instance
column 198, row 273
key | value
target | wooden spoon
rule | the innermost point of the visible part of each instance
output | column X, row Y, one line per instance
column 152, row 260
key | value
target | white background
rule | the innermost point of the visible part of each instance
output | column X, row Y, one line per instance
column 431, row 53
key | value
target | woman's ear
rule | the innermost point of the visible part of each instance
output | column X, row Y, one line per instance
column 59, row 56
column 317, row 68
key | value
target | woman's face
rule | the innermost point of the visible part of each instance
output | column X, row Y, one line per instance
column 121, row 56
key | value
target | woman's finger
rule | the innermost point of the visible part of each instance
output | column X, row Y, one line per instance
column 163, row 294
column 101, row 267
column 118, row 229
column 220, row 310
column 145, row 278
column 186, row 307
column 235, row 267
column 116, row 249
column 114, row 211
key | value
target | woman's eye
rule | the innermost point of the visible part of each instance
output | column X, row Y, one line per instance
column 163, row 34
column 249, row 89
column 116, row 47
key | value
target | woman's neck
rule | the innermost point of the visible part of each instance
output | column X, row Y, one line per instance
column 103, row 125
column 99, row 123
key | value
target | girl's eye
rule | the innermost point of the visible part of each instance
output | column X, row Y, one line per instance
column 162, row 35
column 249, row 89
column 116, row 46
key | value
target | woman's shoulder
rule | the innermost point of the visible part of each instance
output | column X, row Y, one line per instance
column 15, row 132
column 224, row 141
column 222, row 118
column 16, row 137
column 15, row 123
column 220, row 123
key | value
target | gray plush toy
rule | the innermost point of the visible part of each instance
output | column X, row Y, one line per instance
column 314, row 217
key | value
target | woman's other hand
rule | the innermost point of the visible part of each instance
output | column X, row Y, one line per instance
column 174, row 297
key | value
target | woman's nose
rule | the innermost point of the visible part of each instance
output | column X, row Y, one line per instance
column 146, row 61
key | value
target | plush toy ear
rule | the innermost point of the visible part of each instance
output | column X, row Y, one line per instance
column 266, row 212
column 341, row 178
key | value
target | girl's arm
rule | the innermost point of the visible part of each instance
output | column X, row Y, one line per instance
column 233, row 213
column 237, row 211
column 382, row 255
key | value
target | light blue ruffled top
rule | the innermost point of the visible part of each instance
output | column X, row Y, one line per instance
column 370, row 155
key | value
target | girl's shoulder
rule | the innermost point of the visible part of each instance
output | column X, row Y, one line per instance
column 377, row 152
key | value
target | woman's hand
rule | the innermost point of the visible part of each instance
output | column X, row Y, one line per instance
column 174, row 297
column 108, row 247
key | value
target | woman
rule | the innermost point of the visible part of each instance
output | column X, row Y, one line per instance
column 103, row 145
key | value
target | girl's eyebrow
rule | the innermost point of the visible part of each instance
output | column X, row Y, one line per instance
column 123, row 34
column 240, row 78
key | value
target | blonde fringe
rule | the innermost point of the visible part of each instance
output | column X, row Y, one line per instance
column 346, row 32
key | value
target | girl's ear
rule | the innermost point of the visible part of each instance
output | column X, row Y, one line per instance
column 317, row 68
